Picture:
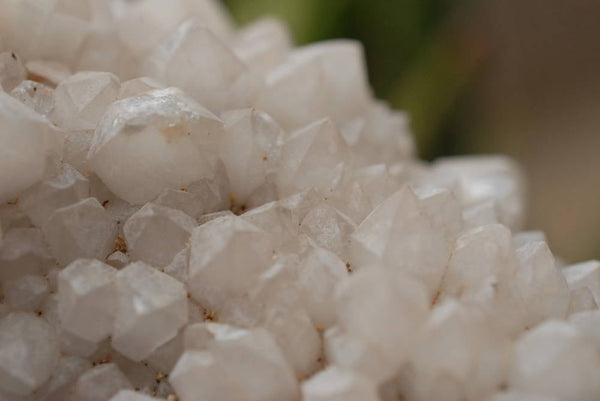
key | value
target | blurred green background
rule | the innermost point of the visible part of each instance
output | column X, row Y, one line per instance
column 518, row 77
column 409, row 47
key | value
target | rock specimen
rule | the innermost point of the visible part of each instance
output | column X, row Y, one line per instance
column 198, row 213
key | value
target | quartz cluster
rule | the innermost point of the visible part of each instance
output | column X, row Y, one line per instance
column 198, row 213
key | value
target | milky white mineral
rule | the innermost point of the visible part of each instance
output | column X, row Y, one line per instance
column 236, row 364
column 86, row 299
column 335, row 384
column 195, row 212
column 155, row 234
column 148, row 301
column 28, row 353
column 163, row 132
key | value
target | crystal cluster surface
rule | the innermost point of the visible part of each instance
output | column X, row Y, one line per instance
column 195, row 212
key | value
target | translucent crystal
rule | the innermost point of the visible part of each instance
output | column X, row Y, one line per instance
column 136, row 86
column 76, row 148
column 335, row 384
column 322, row 80
column 318, row 274
column 313, row 156
column 70, row 344
column 100, row 383
column 297, row 337
column 582, row 299
column 363, row 189
column 141, row 26
column 391, row 317
column 401, row 234
column 28, row 144
column 584, row 275
column 155, row 234
column 218, row 79
column 250, row 150
column 117, row 259
column 24, row 251
column 81, row 230
column 86, row 299
column 163, row 132
column 227, row 255
column 66, row 372
column 459, row 342
column 181, row 199
column 352, row 353
column 28, row 353
column 41, row 200
column 244, row 365
column 152, row 307
column 554, row 359
column 480, row 178
column 380, row 135
column 81, row 100
column 263, row 44
column 57, row 28
column 328, row 228
column 539, row 287
column 37, row 96
column 25, row 293
column 480, row 254
column 586, row 323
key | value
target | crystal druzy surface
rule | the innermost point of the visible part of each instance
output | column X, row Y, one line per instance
column 196, row 212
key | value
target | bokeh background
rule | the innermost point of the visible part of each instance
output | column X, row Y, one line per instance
column 520, row 77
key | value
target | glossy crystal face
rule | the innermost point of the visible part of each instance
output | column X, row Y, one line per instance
column 196, row 212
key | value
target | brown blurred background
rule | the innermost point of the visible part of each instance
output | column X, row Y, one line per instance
column 520, row 77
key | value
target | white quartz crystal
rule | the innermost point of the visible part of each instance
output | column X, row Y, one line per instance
column 23, row 252
column 322, row 80
column 244, row 365
column 81, row 230
column 479, row 179
column 195, row 212
column 100, row 383
column 219, row 80
column 28, row 353
column 263, row 44
column 335, row 384
column 459, row 342
column 86, row 299
column 349, row 352
column 554, row 359
column 250, row 150
column 402, row 235
column 25, row 293
column 313, row 156
column 28, row 144
column 318, row 274
column 155, row 234
column 227, row 256
column 41, row 200
column 151, row 308
column 389, row 318
column 35, row 95
column 584, row 275
column 80, row 100
column 67, row 371
column 155, row 140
